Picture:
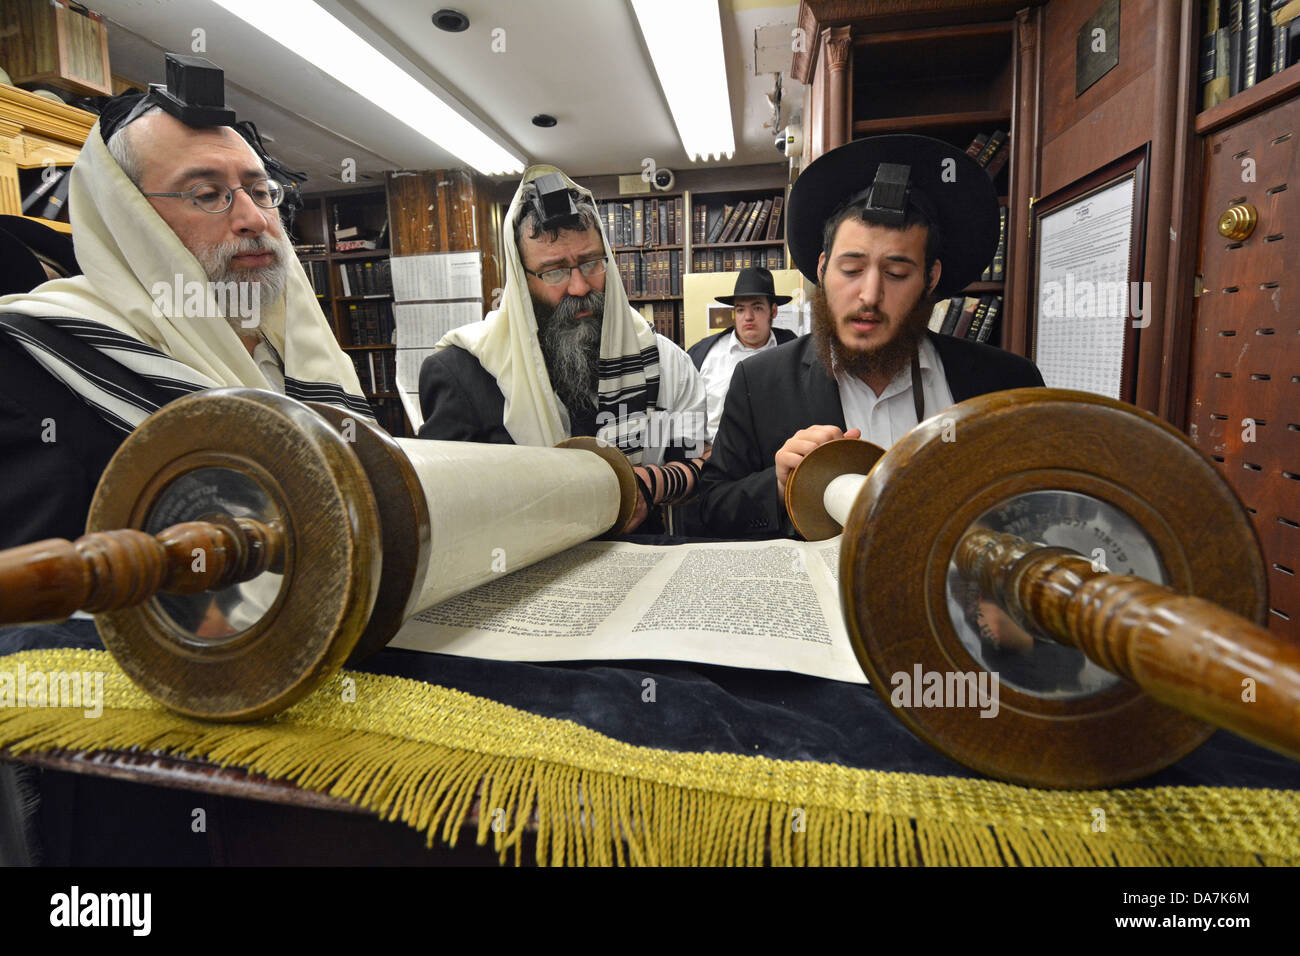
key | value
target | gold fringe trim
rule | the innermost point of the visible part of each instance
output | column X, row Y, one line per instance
column 422, row 755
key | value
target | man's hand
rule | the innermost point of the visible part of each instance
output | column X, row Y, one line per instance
column 800, row 444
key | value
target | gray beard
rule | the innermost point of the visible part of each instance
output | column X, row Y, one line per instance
column 268, row 281
column 571, row 348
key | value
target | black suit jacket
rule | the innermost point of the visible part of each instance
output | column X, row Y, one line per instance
column 700, row 350
column 777, row 393
column 460, row 400
column 53, row 448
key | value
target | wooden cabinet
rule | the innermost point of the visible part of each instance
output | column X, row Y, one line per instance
column 35, row 134
column 1243, row 407
column 50, row 41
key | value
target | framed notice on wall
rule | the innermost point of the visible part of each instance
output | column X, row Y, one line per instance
column 1088, row 263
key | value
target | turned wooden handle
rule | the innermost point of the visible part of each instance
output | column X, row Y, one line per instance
column 108, row 570
column 1184, row 651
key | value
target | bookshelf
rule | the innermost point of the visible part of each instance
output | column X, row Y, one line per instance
column 736, row 229
column 354, row 287
column 954, row 83
column 649, row 235
column 1244, row 43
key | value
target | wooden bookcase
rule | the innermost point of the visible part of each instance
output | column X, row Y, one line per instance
column 952, row 83
column 757, row 250
column 351, row 286
column 651, row 268
column 951, row 72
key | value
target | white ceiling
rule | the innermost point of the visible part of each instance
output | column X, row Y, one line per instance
column 582, row 61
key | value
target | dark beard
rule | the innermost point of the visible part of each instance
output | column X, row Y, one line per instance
column 571, row 348
column 884, row 361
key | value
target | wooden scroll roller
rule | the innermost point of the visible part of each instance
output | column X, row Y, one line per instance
column 1080, row 549
column 242, row 546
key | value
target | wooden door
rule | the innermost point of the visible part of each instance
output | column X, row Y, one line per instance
column 1244, row 403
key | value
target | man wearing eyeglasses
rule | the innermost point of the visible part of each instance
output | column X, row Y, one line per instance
column 565, row 354
column 157, row 205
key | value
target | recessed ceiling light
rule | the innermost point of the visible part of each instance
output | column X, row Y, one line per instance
column 544, row 120
column 453, row 21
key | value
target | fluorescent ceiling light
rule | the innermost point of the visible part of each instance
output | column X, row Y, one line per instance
column 320, row 39
column 685, row 41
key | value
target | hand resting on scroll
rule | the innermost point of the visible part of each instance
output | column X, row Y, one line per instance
column 800, row 444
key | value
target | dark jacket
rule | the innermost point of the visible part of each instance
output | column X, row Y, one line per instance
column 777, row 393
column 53, row 448
column 700, row 350
column 460, row 400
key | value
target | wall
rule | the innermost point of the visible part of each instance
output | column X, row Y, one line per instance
column 1143, row 100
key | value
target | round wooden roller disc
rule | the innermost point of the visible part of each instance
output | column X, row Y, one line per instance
column 403, row 522
column 273, row 449
column 925, row 493
column 627, row 490
column 805, row 488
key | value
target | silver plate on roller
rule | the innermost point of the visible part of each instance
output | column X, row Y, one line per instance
column 215, row 617
column 1035, row 664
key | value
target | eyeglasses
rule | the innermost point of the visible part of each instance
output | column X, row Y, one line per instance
column 589, row 270
column 217, row 198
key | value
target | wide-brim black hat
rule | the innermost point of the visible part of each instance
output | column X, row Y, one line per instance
column 960, row 192
column 751, row 282
column 23, row 244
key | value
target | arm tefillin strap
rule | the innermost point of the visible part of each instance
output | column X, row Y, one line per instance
column 553, row 203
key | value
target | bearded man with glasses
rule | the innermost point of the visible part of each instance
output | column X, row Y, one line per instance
column 566, row 354
column 157, row 205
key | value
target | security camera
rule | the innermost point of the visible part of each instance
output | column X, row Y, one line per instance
column 663, row 179
column 790, row 141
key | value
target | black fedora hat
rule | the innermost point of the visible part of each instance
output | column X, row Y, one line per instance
column 754, row 281
column 954, row 187
column 24, row 245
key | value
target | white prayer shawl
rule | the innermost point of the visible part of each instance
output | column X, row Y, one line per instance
column 507, row 347
column 128, row 254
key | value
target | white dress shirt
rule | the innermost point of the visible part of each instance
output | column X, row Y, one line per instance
column 886, row 418
column 717, row 368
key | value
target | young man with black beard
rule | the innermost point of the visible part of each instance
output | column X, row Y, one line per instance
column 885, row 227
column 567, row 355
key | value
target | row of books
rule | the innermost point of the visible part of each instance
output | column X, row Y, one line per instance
column 643, row 222
column 377, row 370
column 972, row 317
column 318, row 274
column 665, row 317
column 756, row 221
column 650, row 273
column 366, row 277
column 991, row 150
column 1244, row 42
column 733, row 260
column 997, row 268
column 371, row 323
